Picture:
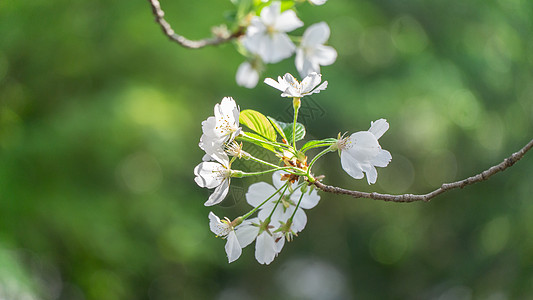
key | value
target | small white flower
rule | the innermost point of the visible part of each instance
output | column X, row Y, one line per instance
column 294, row 89
column 266, row 36
column 318, row 2
column 216, row 175
column 312, row 53
column 220, row 129
column 224, row 229
column 259, row 192
column 247, row 75
column 361, row 152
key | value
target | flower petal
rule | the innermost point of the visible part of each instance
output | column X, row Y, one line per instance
column 351, row 165
column 271, row 13
column 233, row 248
column 219, row 194
column 259, row 192
column 309, row 200
column 382, row 159
column 321, row 87
column 310, row 81
column 379, row 127
column 265, row 249
column 324, row 55
column 247, row 232
column 299, row 221
column 276, row 48
column 246, row 75
column 287, row 21
column 316, row 34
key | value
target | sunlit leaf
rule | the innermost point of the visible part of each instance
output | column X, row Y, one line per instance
column 318, row 143
column 257, row 122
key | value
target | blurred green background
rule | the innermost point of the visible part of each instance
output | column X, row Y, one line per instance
column 100, row 120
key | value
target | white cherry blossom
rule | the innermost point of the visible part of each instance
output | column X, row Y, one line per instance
column 224, row 229
column 266, row 36
column 312, row 53
column 361, row 152
column 210, row 174
column 294, row 89
column 220, row 129
column 247, row 75
column 259, row 192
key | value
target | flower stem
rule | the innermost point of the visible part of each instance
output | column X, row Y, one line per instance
column 296, row 103
column 297, row 205
column 316, row 158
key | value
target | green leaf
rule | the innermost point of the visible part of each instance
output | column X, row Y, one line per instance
column 318, row 143
column 259, row 143
column 287, row 130
column 276, row 124
column 257, row 122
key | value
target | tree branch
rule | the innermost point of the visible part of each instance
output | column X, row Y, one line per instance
column 183, row 41
column 506, row 163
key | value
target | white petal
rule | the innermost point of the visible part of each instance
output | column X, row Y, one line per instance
column 363, row 146
column 219, row 194
column 379, row 127
column 382, row 159
column 287, row 21
column 246, row 75
column 278, row 85
column 265, row 249
column 324, row 55
column 208, row 127
column 310, row 81
column 271, row 13
column 246, row 232
column 304, row 65
column 276, row 48
column 371, row 173
column 309, row 200
column 316, row 34
column 233, row 248
column 276, row 179
column 259, row 192
column 321, row 87
column 351, row 166
column 253, row 42
column 299, row 221
column 280, row 241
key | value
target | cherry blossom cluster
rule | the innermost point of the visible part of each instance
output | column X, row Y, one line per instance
column 266, row 41
column 277, row 213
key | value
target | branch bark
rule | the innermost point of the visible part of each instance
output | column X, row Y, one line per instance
column 183, row 41
column 506, row 163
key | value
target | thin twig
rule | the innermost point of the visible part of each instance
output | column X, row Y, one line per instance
column 506, row 163
column 183, row 41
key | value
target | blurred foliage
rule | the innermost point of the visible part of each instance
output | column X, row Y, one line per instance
column 100, row 120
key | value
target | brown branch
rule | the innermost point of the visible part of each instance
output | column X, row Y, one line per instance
column 506, row 163
column 183, row 41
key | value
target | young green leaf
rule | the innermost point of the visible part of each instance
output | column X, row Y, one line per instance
column 286, row 128
column 257, row 122
column 318, row 143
